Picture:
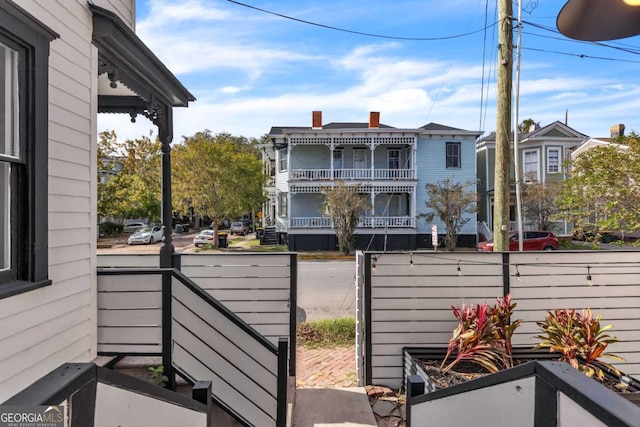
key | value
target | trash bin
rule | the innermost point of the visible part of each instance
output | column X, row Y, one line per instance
column 178, row 228
column 259, row 232
column 222, row 240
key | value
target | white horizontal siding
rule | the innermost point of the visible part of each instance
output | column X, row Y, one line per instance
column 49, row 326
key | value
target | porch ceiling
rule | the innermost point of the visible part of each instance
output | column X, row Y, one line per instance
column 138, row 82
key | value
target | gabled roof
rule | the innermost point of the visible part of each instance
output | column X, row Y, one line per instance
column 596, row 142
column 556, row 129
column 437, row 126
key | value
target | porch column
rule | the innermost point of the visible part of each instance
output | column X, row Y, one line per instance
column 372, row 147
column 331, row 148
column 414, row 206
column 373, row 208
column 165, row 134
column 414, row 162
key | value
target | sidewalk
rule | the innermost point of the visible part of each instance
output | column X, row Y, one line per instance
column 327, row 395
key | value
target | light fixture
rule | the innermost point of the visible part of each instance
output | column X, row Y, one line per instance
column 589, row 279
column 373, row 263
column 598, row 20
column 518, row 274
column 459, row 269
column 411, row 259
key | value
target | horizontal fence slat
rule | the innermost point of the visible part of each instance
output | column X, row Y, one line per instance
column 130, row 348
column 236, row 271
column 223, row 295
column 129, row 335
column 245, row 259
column 220, row 389
column 127, row 261
column 147, row 317
column 231, row 371
column 222, row 323
column 242, row 282
column 130, row 282
column 130, row 300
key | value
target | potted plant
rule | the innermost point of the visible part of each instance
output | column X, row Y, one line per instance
column 481, row 344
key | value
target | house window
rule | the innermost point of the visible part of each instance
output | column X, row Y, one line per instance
column 359, row 158
column 272, row 167
column 282, row 204
column 337, row 158
column 453, row 155
column 283, row 154
column 393, row 159
column 530, row 166
column 553, row 160
column 24, row 53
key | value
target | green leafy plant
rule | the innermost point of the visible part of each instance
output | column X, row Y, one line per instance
column 580, row 339
column 157, row 376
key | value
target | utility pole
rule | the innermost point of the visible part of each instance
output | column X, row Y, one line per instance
column 503, row 127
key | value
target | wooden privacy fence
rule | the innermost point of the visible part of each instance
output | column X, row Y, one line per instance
column 199, row 339
column 260, row 288
column 408, row 298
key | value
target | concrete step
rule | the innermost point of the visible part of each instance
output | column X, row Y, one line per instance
column 332, row 406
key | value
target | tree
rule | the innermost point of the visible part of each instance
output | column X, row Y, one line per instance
column 129, row 177
column 220, row 176
column 538, row 203
column 602, row 191
column 452, row 202
column 526, row 125
column 345, row 203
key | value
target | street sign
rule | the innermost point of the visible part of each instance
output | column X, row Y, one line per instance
column 434, row 236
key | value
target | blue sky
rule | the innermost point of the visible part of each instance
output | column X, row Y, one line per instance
column 251, row 70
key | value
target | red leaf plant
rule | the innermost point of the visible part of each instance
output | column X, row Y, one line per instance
column 482, row 336
column 580, row 340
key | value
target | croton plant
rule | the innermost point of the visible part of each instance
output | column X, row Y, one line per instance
column 483, row 336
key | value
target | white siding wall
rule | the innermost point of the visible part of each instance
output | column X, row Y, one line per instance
column 431, row 166
column 41, row 329
column 125, row 9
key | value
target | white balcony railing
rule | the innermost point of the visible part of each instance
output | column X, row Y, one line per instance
column 351, row 174
column 366, row 222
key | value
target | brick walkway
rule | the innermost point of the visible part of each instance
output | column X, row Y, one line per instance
column 326, row 367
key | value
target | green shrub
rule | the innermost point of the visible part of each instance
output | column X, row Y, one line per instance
column 110, row 229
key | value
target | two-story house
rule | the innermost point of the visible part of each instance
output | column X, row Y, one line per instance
column 541, row 152
column 391, row 166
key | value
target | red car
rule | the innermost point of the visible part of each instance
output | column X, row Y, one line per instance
column 534, row 240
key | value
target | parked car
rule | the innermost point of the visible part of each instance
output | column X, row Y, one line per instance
column 205, row 236
column 238, row 228
column 146, row 236
column 533, row 240
column 134, row 226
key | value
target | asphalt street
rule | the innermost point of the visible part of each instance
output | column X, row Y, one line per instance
column 326, row 289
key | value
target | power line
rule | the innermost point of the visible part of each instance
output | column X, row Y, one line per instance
column 361, row 33
column 581, row 55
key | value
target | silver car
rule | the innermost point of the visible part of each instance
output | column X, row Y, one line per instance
column 204, row 237
column 146, row 236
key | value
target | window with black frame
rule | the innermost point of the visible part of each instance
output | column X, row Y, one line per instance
column 453, row 155
column 24, row 55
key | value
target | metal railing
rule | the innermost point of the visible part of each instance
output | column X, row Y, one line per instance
column 203, row 340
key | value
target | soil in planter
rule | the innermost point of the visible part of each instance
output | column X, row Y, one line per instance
column 467, row 371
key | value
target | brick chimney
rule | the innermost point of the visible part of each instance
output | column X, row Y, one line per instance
column 617, row 130
column 316, row 120
column 374, row 119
